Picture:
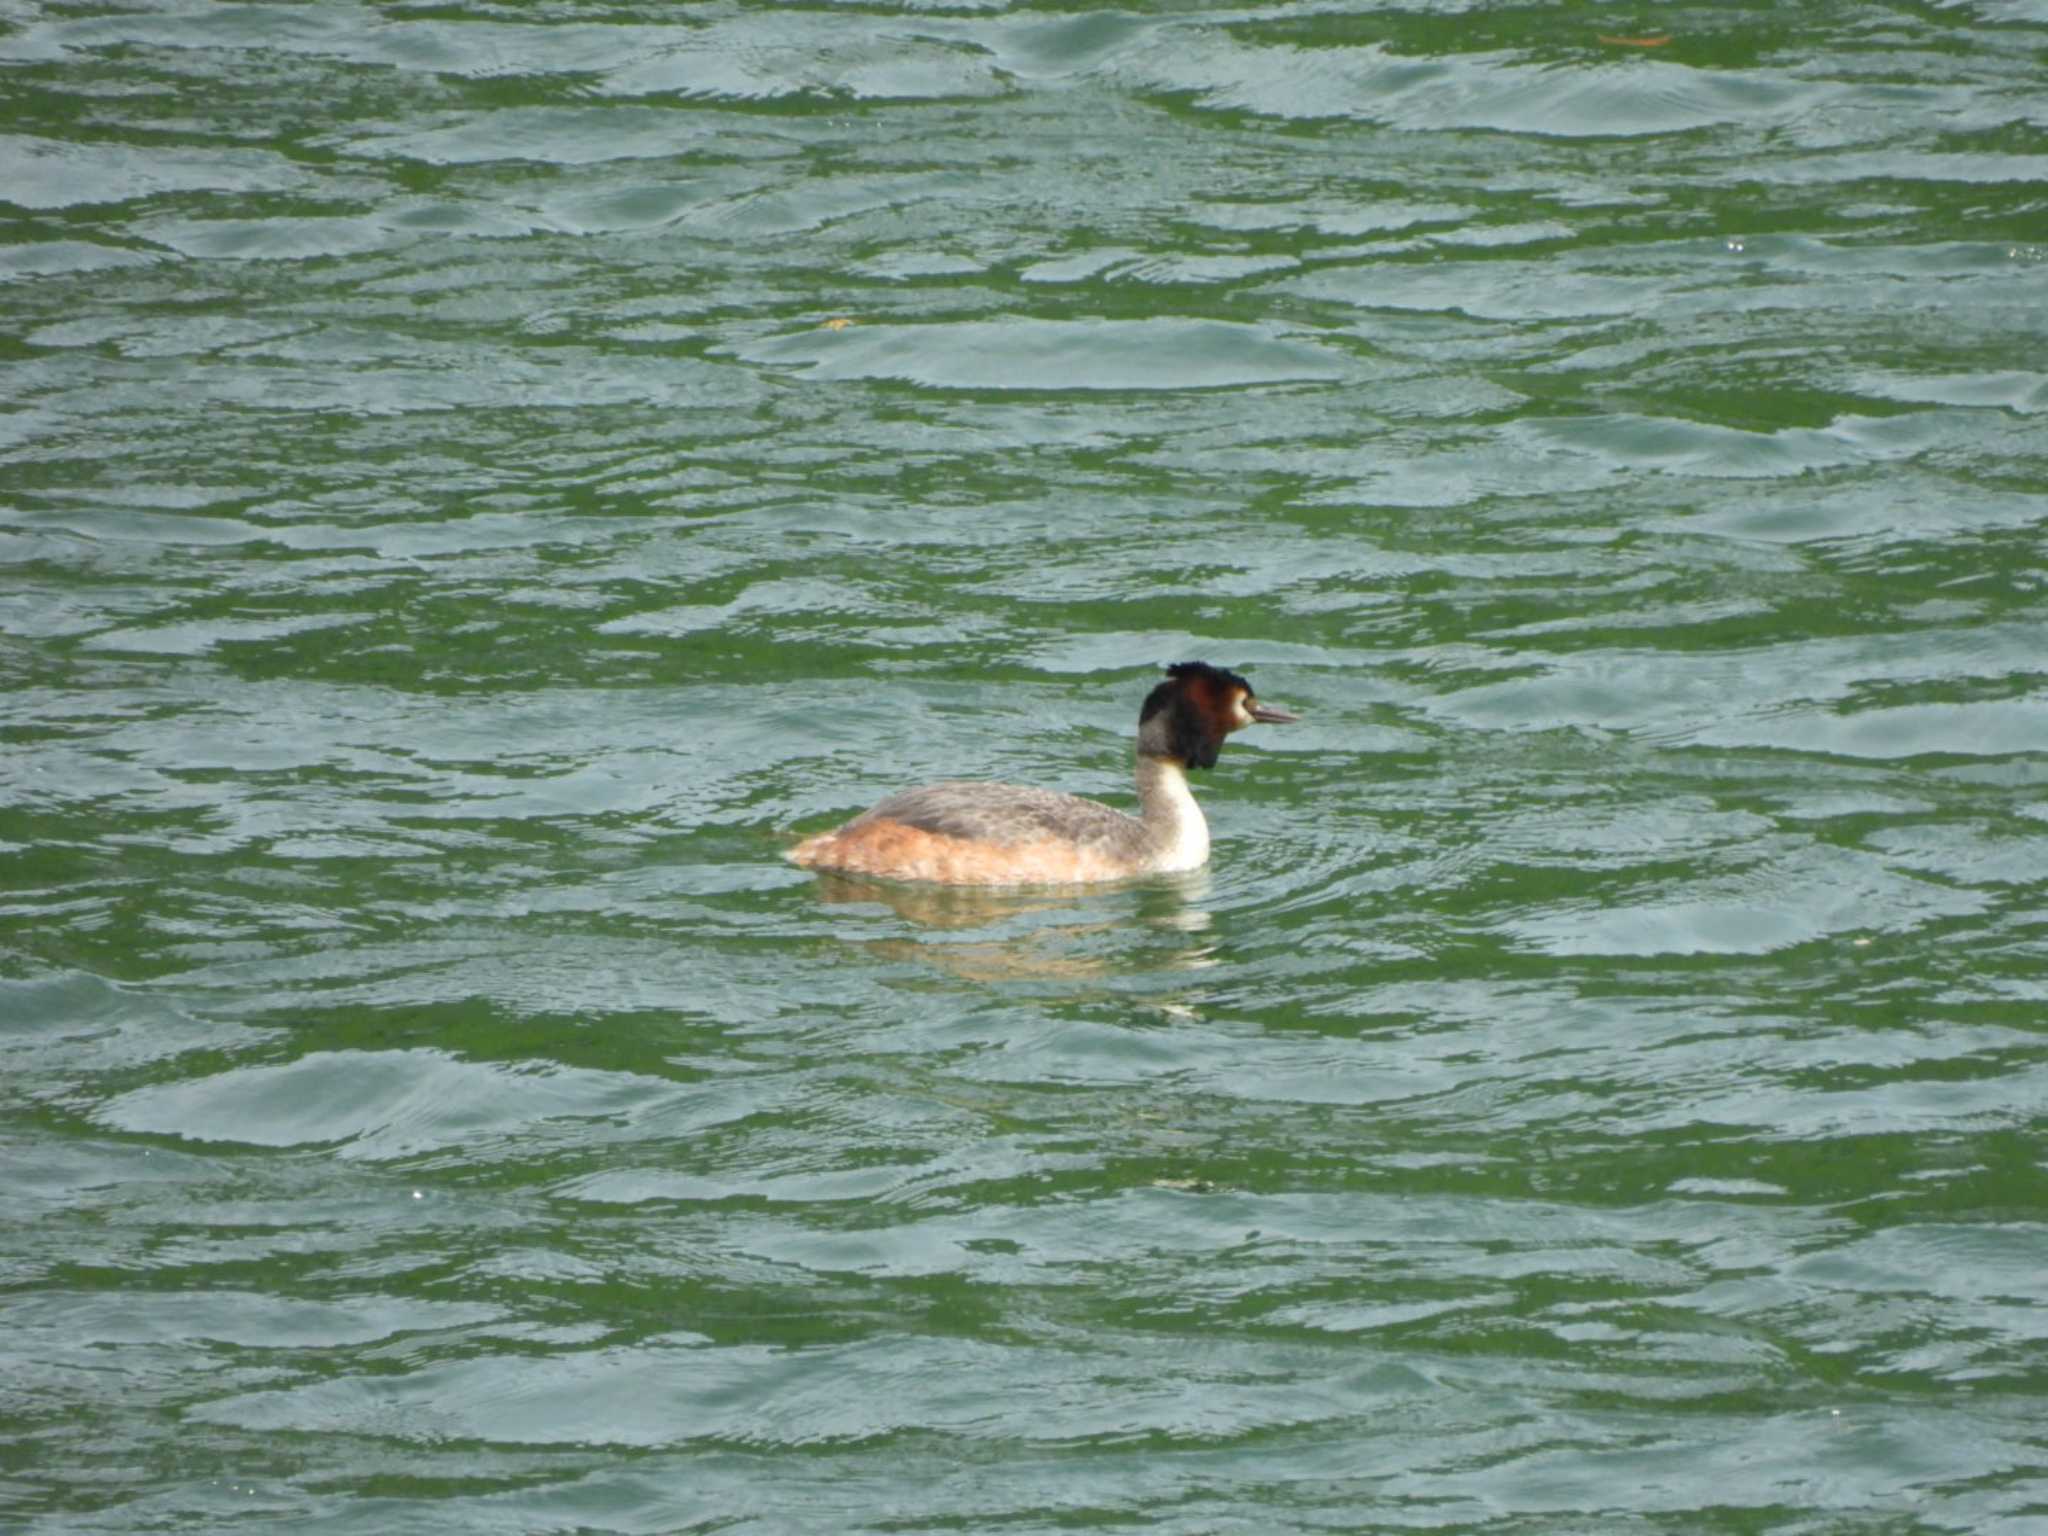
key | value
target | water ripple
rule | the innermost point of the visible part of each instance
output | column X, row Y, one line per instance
column 478, row 485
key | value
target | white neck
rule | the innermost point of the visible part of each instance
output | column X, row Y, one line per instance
column 1175, row 830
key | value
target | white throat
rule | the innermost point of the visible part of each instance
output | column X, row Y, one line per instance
column 1175, row 828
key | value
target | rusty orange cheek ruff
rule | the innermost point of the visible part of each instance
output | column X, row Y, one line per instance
column 898, row 852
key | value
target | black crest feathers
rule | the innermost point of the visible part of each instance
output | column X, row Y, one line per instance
column 1198, row 699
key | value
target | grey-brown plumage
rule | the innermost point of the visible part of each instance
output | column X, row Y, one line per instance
column 965, row 832
column 1004, row 814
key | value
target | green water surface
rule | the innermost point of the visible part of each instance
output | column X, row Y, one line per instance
column 477, row 482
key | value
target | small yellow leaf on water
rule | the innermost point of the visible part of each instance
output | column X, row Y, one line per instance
column 837, row 323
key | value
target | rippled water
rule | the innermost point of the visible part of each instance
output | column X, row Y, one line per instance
column 479, row 482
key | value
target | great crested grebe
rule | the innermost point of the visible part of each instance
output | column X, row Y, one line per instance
column 965, row 833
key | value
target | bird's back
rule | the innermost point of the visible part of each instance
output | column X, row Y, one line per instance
column 967, row 832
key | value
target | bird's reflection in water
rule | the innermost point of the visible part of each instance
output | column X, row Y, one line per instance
column 1044, row 933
